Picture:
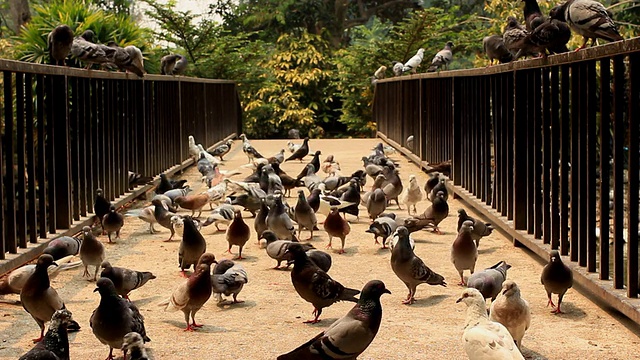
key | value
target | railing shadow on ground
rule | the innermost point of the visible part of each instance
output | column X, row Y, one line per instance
column 546, row 149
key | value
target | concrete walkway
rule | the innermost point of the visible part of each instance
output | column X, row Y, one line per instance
column 269, row 323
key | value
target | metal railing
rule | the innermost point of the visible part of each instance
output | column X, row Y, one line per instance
column 546, row 148
column 67, row 132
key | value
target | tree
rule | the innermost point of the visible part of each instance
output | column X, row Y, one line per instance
column 20, row 13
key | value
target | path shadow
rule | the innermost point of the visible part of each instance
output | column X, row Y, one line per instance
column 532, row 355
column 430, row 301
column 490, row 250
column 348, row 251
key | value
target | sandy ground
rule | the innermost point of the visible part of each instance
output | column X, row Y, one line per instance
column 270, row 321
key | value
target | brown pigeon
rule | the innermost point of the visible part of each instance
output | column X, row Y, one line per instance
column 238, row 233
column 112, row 222
column 349, row 336
column 336, row 226
column 192, row 246
column 557, row 278
column 464, row 252
column 314, row 285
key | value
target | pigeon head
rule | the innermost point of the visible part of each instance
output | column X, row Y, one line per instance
column 207, row 258
column 296, row 251
column 412, row 178
column 238, row 214
column 403, row 232
column 301, row 195
column 470, row 296
column 510, row 288
column 554, row 256
column 112, row 208
column 374, row 289
column 45, row 260
column 449, row 44
column 60, row 317
column 242, row 136
column 512, row 22
column 462, row 212
column 557, row 13
column 132, row 339
column 318, row 153
column 163, row 176
column 156, row 202
column 106, row 266
column 223, row 266
column 105, row 287
column 88, row 35
column 99, row 192
column 440, row 195
column 467, row 226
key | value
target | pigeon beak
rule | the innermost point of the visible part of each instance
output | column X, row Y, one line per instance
column 457, row 301
column 504, row 292
column 96, row 289
column 55, row 264
column 386, row 291
column 215, row 262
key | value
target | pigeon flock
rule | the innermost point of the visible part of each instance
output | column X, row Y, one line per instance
column 62, row 43
column 329, row 202
column 541, row 35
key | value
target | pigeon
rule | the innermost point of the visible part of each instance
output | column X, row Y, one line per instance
column 533, row 16
column 315, row 161
column 410, row 269
column 314, row 285
column 484, row 339
column 464, row 251
column 145, row 214
column 293, row 134
column 228, row 279
column 167, row 184
column 206, row 154
column 133, row 344
column 192, row 246
column 167, row 203
column 512, row 311
column 393, row 186
column 320, row 258
column 270, row 182
column 301, row 152
column 15, row 280
column 489, row 281
column 276, row 248
column 279, row 221
column 552, row 35
column 432, row 181
column 377, row 204
column 136, row 179
column 480, row 229
column 304, row 215
column 397, row 68
column 128, row 58
column 222, row 214
column 83, row 48
column 588, row 18
column 382, row 227
column 395, row 238
column 293, row 147
column 62, row 247
column 442, row 59
column 39, row 299
column 495, row 49
column 193, row 202
column 238, row 233
column 380, row 73
column 91, row 252
column 222, row 149
column 377, row 184
column 411, row 195
column 557, row 278
column 409, row 142
column 192, row 294
column 112, row 222
column 163, row 216
column 55, row 344
column 177, row 222
column 311, row 179
column 123, row 279
column 514, row 35
column 431, row 217
column 173, row 194
column 440, row 187
column 352, row 196
column 412, row 64
column 173, row 64
column 336, row 226
column 60, row 41
column 115, row 317
column 194, row 152
column 350, row 335
column 101, row 206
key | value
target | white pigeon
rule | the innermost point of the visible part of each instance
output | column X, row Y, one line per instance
column 293, row 147
column 484, row 339
column 178, row 224
column 413, row 63
column 512, row 311
column 193, row 149
column 213, row 159
column 397, row 68
column 412, row 194
column 442, row 58
column 18, row 277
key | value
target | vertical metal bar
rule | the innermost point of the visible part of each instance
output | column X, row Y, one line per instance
column 618, row 170
column 592, row 143
column 457, row 99
column 74, row 141
column 605, row 154
column 9, row 151
column 632, row 215
column 537, row 154
column 554, row 165
column 21, row 190
column 564, row 160
column 530, row 116
column 32, row 219
column 509, row 89
column 61, row 145
column 575, row 161
column 42, row 146
column 83, row 149
column 546, row 157
column 520, row 152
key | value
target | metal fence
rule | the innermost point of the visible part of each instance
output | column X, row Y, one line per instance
column 67, row 132
column 546, row 148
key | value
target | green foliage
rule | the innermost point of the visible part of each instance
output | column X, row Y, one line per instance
column 80, row 16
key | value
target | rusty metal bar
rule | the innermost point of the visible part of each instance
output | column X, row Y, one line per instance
column 591, row 181
column 605, row 154
column 520, row 152
column 618, row 170
column 632, row 192
column 554, row 165
column 565, row 154
column 32, row 219
column 546, row 156
column 21, row 168
column 10, row 172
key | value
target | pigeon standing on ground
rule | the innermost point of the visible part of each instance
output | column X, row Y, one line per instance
column 222, row 214
column 238, row 233
column 588, row 18
column 228, row 279
column 432, row 181
column 349, row 336
column 279, row 221
column 101, row 205
column 512, row 311
column 125, row 280
column 411, row 195
column 276, row 248
column 193, row 203
column 60, row 40
column 222, row 149
column 39, row 299
column 383, row 227
column 464, row 252
column 441, row 186
column 397, row 68
column 91, row 252
column 192, row 294
column 409, row 268
column 114, row 317
column 163, row 217
column 480, row 229
column 377, row 204
column 314, row 285
column 557, row 278
column 495, row 49
column 489, row 281
column 301, row 152
column 15, row 280
column 442, row 59
column 304, row 215
column 133, row 344
column 146, row 215
column 192, row 246
column 484, row 339
column 336, row 226
column 112, row 222
column 63, row 246
column 413, row 63
column 55, row 344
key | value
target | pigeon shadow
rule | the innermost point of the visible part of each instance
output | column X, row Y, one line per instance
column 424, row 241
column 245, row 258
column 570, row 311
column 145, row 301
column 205, row 329
column 430, row 301
column 490, row 250
column 229, row 305
column 348, row 251
column 532, row 355
column 382, row 251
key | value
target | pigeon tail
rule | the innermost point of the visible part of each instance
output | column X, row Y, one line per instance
column 349, row 295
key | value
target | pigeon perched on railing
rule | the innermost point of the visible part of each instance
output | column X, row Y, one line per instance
column 533, row 16
column 442, row 59
column 552, row 36
column 397, row 68
column 60, row 40
column 85, row 50
column 495, row 49
column 413, row 63
column 380, row 73
column 514, row 35
column 128, row 58
column 588, row 18
column 173, row 64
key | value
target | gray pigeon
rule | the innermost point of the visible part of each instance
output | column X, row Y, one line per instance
column 495, row 49
column 397, row 68
column 125, row 280
column 192, row 246
column 163, row 216
column 13, row 282
column 489, row 281
column 85, row 50
column 441, row 186
column 304, row 215
column 383, row 227
column 63, row 246
column 442, row 59
column 55, row 345
column 557, row 278
column 173, row 64
column 112, row 222
column 114, row 317
column 128, row 58
column 60, row 40
column 276, row 248
column 434, row 179
column 222, row 214
column 133, row 344
column 514, row 35
column 279, row 221
column 409, row 268
column 480, row 229
column 91, row 252
column 260, row 222
column 377, row 204
column 464, row 252
column 228, row 279
column 588, row 18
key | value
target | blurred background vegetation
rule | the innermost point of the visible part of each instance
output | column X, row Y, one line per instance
column 304, row 64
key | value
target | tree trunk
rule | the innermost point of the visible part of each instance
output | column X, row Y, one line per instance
column 20, row 13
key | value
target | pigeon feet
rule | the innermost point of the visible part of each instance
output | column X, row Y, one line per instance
column 409, row 301
column 196, row 325
column 551, row 303
column 341, row 251
column 182, row 274
column 557, row 311
column 38, row 339
column 189, row 328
